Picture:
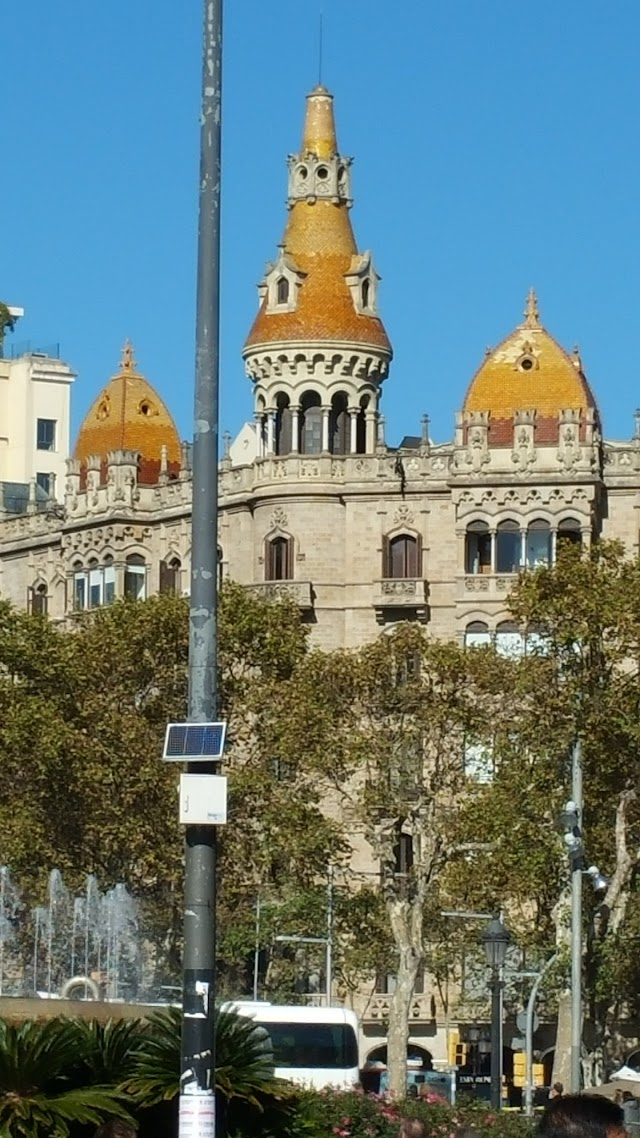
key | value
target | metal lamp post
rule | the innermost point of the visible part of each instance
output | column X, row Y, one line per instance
column 496, row 939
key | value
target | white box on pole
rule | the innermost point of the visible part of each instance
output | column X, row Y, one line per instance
column 203, row 799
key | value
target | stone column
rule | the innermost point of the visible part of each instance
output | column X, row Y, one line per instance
column 353, row 430
column 494, row 549
column 271, row 432
column 370, row 419
column 119, row 569
column 259, row 436
column 325, row 429
column 295, row 429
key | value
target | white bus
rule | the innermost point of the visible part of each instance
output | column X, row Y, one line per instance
column 314, row 1047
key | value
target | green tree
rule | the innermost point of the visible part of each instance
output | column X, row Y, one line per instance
column 580, row 679
column 385, row 730
column 82, row 787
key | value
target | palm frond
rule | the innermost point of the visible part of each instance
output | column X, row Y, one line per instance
column 243, row 1059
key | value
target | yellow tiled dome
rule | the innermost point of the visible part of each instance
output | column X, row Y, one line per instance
column 129, row 415
column 529, row 371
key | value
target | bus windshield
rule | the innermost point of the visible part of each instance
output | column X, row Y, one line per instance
column 332, row 1046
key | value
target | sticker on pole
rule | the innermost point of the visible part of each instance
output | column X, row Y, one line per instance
column 197, row 1115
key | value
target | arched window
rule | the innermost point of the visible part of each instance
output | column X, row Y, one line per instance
column 508, row 547
column 283, row 424
column 538, row 547
column 39, row 600
column 361, row 427
column 402, row 557
column 99, row 585
column 477, row 548
column 282, row 290
column 509, row 639
column 279, row 559
column 366, row 292
column 569, row 532
column 135, row 578
column 476, row 634
column 79, row 586
column 339, row 425
column 170, row 577
column 310, row 423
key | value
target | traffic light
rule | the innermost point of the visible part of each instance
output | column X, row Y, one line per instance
column 538, row 1074
column 453, row 1044
column 462, row 1054
column 519, row 1068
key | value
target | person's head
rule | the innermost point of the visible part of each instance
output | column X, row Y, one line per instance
column 557, row 1090
column 412, row 1128
column 116, row 1128
column 582, row 1116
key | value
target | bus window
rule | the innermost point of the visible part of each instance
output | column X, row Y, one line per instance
column 331, row 1046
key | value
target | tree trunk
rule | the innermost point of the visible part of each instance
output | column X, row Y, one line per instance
column 406, row 919
column 562, row 1054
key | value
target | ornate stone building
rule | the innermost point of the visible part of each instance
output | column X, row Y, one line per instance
column 314, row 504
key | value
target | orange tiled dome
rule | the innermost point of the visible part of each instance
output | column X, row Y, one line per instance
column 129, row 415
column 529, row 371
column 319, row 241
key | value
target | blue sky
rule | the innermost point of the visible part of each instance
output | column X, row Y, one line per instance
column 495, row 143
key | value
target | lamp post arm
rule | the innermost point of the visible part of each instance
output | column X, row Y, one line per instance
column 533, row 995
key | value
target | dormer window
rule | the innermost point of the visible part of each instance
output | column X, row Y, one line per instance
column 282, row 290
column 362, row 282
column 281, row 283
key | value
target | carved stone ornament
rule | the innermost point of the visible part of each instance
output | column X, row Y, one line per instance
column 477, row 453
column 569, row 449
column 279, row 519
column 523, row 455
column 403, row 516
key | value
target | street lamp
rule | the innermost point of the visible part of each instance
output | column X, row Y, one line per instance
column 496, row 939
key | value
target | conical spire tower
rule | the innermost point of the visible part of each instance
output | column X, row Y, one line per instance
column 318, row 340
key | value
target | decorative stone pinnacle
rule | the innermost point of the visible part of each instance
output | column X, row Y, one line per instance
column 128, row 362
column 531, row 312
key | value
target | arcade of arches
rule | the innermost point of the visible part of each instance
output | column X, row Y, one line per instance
column 312, row 427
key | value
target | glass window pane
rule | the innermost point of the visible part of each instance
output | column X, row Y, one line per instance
column 134, row 582
column 538, row 546
column 478, row 552
column 46, row 434
column 312, row 432
column 477, row 639
column 478, row 762
column 109, row 584
column 79, row 590
column 44, row 482
column 509, row 643
column 328, row 1045
column 508, row 543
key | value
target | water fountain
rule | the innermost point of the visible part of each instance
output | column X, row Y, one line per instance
column 89, row 946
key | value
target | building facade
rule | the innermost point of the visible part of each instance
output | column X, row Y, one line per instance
column 314, row 505
column 35, row 419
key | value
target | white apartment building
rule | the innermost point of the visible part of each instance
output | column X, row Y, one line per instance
column 35, row 412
